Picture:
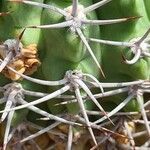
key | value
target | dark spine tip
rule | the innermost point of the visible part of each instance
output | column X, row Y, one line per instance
column 103, row 74
column 123, row 58
column 31, row 27
column 21, row 35
column 134, row 17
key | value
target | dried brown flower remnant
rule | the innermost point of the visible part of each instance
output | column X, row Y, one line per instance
column 26, row 63
column 122, row 130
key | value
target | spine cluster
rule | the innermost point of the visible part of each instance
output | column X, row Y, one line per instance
column 64, row 66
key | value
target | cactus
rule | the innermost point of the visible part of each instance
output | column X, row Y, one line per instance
column 74, row 74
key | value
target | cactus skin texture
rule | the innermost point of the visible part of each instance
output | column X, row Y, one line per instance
column 74, row 74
